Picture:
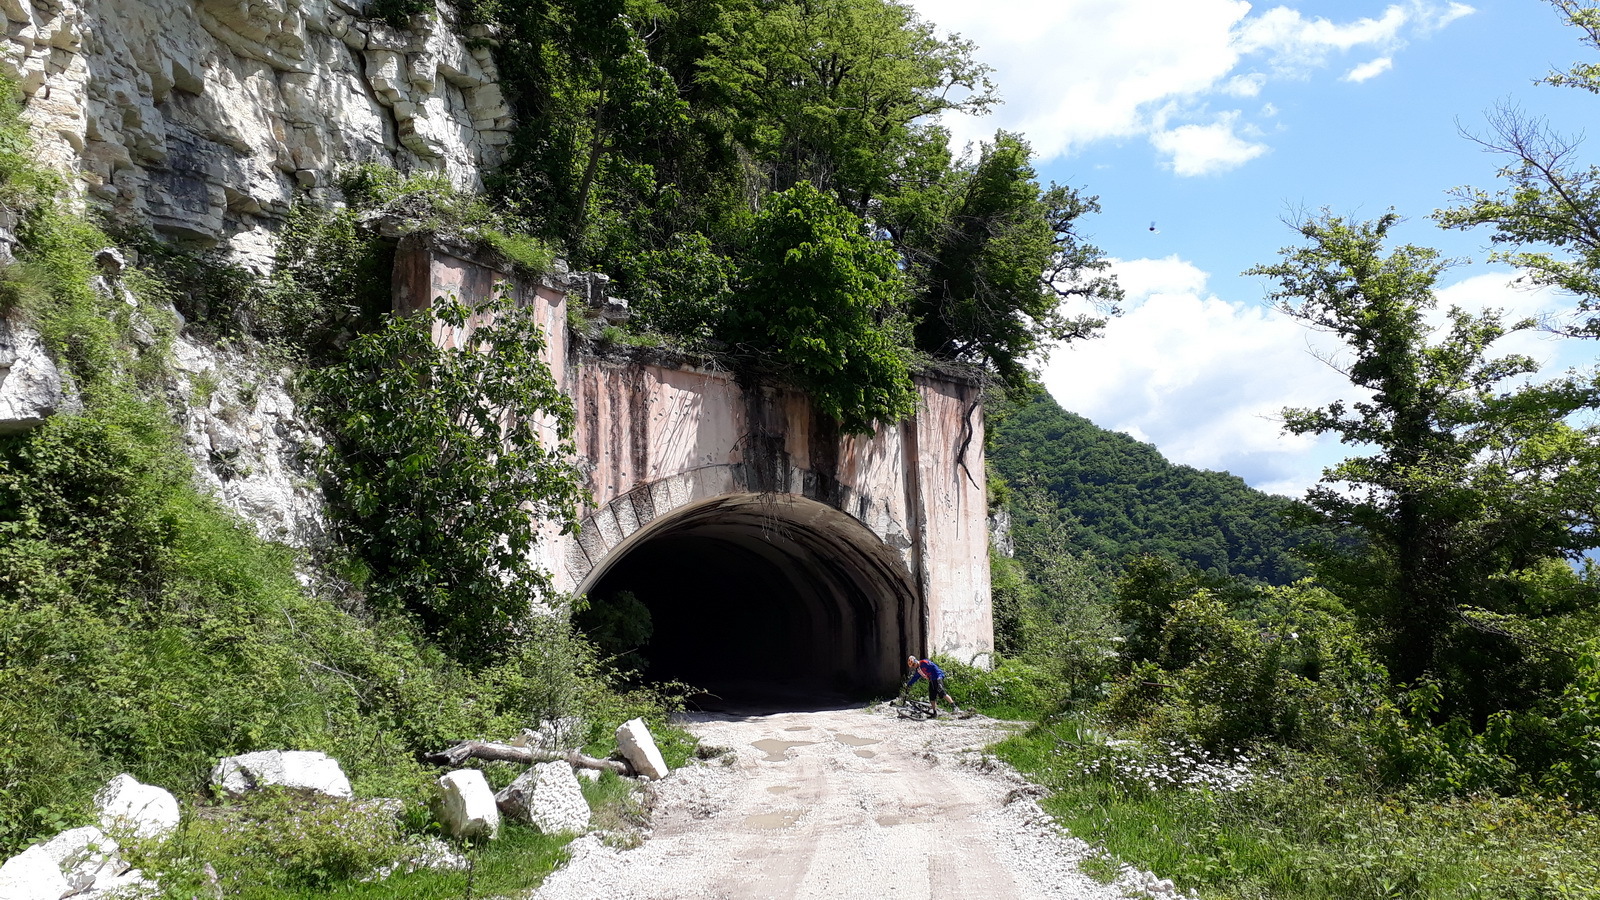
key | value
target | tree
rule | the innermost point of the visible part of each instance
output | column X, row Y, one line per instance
column 821, row 303
column 444, row 463
column 1471, row 478
column 598, row 111
column 1547, row 219
column 654, row 137
column 838, row 93
column 994, row 256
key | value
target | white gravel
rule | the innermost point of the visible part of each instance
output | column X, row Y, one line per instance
column 854, row 804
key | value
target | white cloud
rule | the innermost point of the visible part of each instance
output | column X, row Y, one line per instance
column 1434, row 18
column 1206, row 149
column 1295, row 44
column 1140, row 278
column 1202, row 378
column 1073, row 72
column 1206, row 379
column 1246, row 85
column 1515, row 300
column 1371, row 69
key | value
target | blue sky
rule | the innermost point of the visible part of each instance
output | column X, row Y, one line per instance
column 1216, row 119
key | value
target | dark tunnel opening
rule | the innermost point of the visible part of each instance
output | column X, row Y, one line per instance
column 788, row 604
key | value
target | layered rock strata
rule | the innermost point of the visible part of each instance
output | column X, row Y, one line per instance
column 206, row 119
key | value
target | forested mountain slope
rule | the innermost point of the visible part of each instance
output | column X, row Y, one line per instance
column 1122, row 498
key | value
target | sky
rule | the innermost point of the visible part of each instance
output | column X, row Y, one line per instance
column 1215, row 121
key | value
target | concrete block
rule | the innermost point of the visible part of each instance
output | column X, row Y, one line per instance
column 466, row 807
column 639, row 748
column 627, row 520
column 605, row 525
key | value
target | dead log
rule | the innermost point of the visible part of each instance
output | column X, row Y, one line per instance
column 496, row 752
column 579, row 761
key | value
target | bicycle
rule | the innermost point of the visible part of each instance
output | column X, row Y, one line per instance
column 912, row 708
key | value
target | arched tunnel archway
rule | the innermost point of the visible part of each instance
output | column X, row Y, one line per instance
column 762, row 599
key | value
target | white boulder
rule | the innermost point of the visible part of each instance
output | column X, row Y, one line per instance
column 548, row 797
column 639, row 748
column 130, row 885
column 296, row 770
column 466, row 805
column 32, row 875
column 131, row 808
column 86, row 856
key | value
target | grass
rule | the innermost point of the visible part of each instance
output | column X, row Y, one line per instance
column 1303, row 828
column 278, row 846
column 515, row 862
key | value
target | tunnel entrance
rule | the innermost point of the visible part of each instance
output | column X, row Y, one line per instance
column 781, row 602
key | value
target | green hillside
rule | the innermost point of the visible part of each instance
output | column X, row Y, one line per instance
column 1121, row 498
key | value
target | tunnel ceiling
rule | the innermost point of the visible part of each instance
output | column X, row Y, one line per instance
column 759, row 599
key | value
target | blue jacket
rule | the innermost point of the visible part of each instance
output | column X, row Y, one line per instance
column 925, row 669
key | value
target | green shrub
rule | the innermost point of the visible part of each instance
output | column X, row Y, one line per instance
column 1291, row 673
column 620, row 628
column 442, row 469
column 1291, row 825
column 275, row 841
column 682, row 291
column 818, row 302
column 428, row 202
column 1013, row 689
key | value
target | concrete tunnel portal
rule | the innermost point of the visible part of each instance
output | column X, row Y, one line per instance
column 773, row 599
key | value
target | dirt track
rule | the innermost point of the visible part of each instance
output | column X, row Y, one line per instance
column 839, row 805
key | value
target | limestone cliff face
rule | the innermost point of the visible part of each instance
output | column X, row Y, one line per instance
column 205, row 119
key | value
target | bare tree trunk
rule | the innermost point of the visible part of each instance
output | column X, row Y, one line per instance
column 493, row 752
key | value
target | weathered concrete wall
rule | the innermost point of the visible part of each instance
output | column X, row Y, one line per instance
column 206, row 119
column 660, row 438
column 666, row 442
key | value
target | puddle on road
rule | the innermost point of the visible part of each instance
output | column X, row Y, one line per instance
column 769, row 821
column 798, row 728
column 774, row 748
column 865, row 754
column 780, row 789
column 891, row 820
column 854, row 741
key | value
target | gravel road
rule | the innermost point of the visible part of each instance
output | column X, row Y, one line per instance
column 838, row 804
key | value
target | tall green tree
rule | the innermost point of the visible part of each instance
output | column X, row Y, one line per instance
column 1469, row 477
column 994, row 256
column 838, row 93
column 654, row 139
column 597, row 112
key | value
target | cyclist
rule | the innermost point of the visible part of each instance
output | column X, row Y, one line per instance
column 926, row 668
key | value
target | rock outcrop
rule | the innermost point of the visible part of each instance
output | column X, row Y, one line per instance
column 252, row 448
column 206, row 119
column 30, row 383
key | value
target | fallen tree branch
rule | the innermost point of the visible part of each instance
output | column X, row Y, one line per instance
column 495, row 752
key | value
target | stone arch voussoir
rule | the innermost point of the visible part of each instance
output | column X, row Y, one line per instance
column 625, row 520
